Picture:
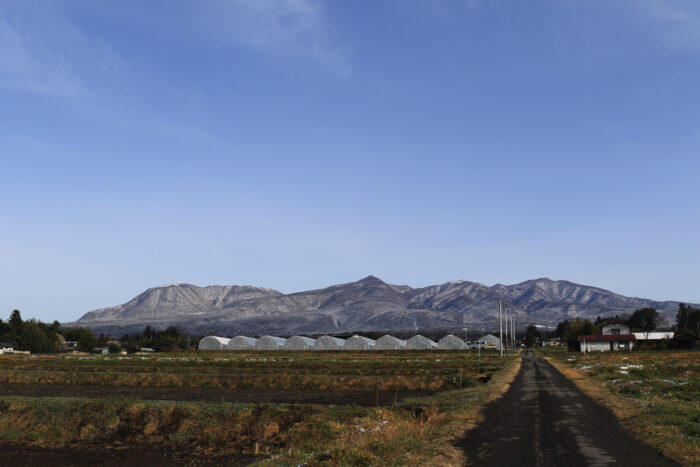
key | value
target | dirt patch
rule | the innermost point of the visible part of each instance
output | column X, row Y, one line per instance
column 20, row 456
column 364, row 398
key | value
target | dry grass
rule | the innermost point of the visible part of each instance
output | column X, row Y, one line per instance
column 420, row 431
column 408, row 370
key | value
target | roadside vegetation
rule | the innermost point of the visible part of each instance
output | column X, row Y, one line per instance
column 418, row 431
column 656, row 394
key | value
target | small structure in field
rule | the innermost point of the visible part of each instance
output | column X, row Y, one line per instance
column 269, row 343
column 390, row 343
column 606, row 342
column 452, row 342
column 329, row 343
column 686, row 340
column 6, row 347
column 359, row 343
column 242, row 343
column 299, row 343
column 419, row 342
column 213, row 343
column 489, row 341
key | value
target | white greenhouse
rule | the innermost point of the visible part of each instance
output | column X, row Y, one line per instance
column 359, row 343
column 452, row 342
column 213, row 343
column 242, row 343
column 390, row 343
column 269, row 343
column 329, row 343
column 419, row 342
column 299, row 343
column 489, row 341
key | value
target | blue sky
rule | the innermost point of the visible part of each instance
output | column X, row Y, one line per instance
column 294, row 144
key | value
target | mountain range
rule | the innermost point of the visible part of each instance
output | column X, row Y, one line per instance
column 369, row 304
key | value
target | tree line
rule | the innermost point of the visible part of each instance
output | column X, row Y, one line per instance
column 38, row 337
column 643, row 320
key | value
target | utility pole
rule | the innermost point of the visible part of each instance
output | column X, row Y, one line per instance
column 500, row 325
column 512, row 323
column 506, row 323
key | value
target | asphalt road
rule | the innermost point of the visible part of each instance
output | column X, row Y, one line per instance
column 545, row 420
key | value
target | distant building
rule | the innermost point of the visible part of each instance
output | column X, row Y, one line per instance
column 6, row 347
column 606, row 342
column 616, row 336
column 616, row 329
column 419, row 342
column 270, row 343
column 489, row 341
column 452, row 342
column 298, row 343
column 329, row 343
column 213, row 343
column 653, row 336
column 686, row 340
column 359, row 343
column 390, row 343
column 242, row 343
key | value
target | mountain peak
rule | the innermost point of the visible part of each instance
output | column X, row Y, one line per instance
column 367, row 304
column 371, row 280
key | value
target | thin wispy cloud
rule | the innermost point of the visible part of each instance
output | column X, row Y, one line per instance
column 297, row 28
column 27, row 63
column 41, row 52
column 678, row 20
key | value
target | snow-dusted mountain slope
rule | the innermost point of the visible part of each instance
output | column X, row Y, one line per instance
column 366, row 305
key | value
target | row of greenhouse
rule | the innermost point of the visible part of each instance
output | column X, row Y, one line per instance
column 416, row 342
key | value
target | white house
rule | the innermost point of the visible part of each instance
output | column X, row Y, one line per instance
column 606, row 342
column 616, row 329
column 6, row 347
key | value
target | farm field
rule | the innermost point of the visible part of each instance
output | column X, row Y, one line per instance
column 655, row 394
column 356, row 408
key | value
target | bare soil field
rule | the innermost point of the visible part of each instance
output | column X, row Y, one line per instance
column 12, row 455
column 236, row 408
column 361, row 397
